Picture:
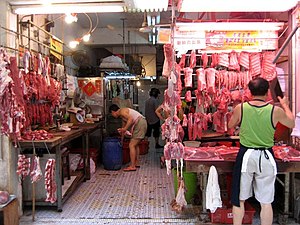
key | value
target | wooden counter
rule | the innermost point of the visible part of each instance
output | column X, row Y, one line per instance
column 54, row 146
column 9, row 212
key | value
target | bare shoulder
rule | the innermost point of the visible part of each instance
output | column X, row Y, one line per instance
column 124, row 111
column 278, row 111
column 237, row 108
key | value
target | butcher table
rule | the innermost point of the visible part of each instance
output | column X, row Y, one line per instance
column 55, row 145
column 202, row 166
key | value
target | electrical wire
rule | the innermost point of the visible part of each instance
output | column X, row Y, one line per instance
column 97, row 21
column 91, row 23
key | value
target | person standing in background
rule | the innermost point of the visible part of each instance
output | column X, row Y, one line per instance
column 255, row 168
column 153, row 121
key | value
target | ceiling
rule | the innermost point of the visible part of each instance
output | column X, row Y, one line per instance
column 112, row 23
column 135, row 19
column 115, row 20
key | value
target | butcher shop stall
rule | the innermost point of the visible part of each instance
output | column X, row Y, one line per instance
column 62, row 153
column 208, row 67
column 52, row 120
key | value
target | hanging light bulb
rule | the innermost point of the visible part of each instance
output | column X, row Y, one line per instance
column 71, row 18
column 138, row 83
column 86, row 37
column 73, row 44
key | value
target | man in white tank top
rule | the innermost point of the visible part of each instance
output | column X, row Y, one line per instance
column 135, row 125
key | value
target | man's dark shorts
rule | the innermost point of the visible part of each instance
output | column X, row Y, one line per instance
column 156, row 129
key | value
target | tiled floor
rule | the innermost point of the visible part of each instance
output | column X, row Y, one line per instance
column 117, row 197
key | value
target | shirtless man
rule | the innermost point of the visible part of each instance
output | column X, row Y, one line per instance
column 255, row 167
column 135, row 125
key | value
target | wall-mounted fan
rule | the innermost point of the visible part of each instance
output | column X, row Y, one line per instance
column 80, row 58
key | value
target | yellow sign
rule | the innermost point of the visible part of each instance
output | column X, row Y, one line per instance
column 164, row 36
column 57, row 46
column 241, row 40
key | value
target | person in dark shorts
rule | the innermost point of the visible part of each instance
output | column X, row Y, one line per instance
column 153, row 121
column 255, row 168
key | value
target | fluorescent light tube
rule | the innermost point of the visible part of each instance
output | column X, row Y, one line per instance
column 236, row 5
column 230, row 26
column 151, row 5
column 67, row 8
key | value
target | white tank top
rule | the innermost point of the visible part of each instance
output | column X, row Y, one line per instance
column 134, row 114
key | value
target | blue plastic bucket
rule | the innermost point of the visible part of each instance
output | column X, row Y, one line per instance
column 112, row 153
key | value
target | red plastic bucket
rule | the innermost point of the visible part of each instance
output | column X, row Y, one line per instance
column 126, row 154
column 144, row 147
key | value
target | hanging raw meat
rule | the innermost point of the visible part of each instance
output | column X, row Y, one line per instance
column 223, row 60
column 36, row 172
column 210, row 80
column 23, row 168
column 168, row 53
column 12, row 96
column 245, row 78
column 193, row 59
column 214, row 60
column 204, row 58
column 173, row 150
column 244, row 60
column 188, row 96
column 178, row 83
column 182, row 61
column 233, row 61
column 268, row 68
column 188, row 77
column 197, row 126
column 179, row 203
column 172, row 130
column 172, row 101
column 255, row 64
column 50, row 183
column 201, row 79
column 54, row 92
column 190, row 126
column 236, row 95
column 26, row 61
column 220, row 121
